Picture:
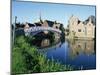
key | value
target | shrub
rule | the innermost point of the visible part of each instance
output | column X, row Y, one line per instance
column 27, row 59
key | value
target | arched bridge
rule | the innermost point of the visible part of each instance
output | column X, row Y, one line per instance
column 35, row 30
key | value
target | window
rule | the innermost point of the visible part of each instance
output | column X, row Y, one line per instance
column 56, row 27
column 79, row 30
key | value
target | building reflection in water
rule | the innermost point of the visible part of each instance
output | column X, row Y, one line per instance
column 45, row 42
column 78, row 47
column 78, row 53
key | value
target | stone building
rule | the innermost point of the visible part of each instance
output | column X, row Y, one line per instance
column 46, row 23
column 53, row 24
column 27, row 25
column 81, row 29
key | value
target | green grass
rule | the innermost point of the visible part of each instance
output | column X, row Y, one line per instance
column 26, row 59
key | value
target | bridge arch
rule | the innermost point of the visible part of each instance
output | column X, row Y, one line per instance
column 36, row 30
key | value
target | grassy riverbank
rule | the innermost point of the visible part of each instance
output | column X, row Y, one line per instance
column 26, row 59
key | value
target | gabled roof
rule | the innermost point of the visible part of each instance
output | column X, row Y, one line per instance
column 50, row 23
column 37, row 24
column 31, row 25
column 93, row 20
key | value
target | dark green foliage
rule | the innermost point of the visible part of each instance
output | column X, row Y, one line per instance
column 26, row 59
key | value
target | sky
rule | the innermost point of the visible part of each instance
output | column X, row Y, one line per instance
column 27, row 11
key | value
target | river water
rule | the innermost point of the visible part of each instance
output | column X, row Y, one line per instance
column 81, row 54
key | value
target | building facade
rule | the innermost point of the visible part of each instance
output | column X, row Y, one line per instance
column 81, row 29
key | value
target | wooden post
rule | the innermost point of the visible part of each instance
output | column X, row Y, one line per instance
column 14, row 30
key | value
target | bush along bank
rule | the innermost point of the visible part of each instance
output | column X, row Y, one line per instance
column 27, row 59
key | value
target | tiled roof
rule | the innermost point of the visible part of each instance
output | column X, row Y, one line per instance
column 50, row 23
column 93, row 19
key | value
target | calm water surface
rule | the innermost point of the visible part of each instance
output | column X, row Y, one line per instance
column 77, row 53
